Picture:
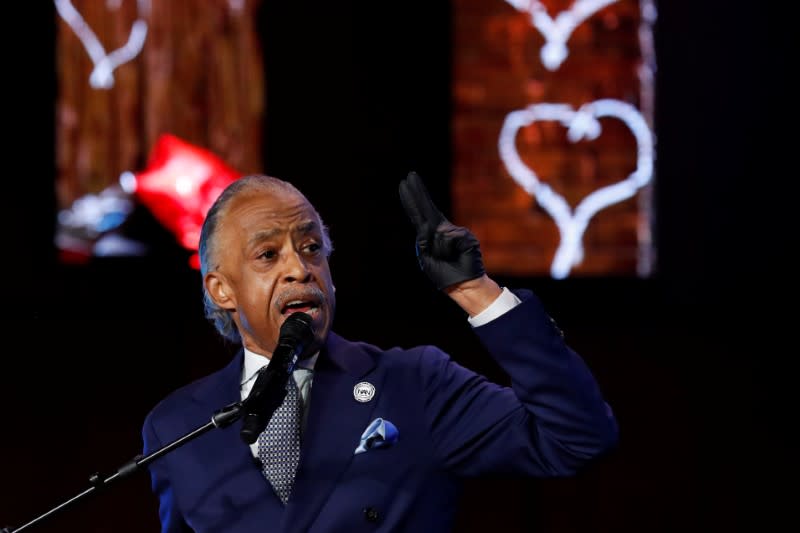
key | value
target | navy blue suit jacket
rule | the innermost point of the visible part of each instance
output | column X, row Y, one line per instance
column 452, row 423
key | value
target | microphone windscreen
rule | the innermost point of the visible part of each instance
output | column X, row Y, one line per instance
column 296, row 329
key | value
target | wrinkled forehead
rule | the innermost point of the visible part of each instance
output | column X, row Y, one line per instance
column 271, row 206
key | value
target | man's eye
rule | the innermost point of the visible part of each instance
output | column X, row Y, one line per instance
column 269, row 254
column 313, row 248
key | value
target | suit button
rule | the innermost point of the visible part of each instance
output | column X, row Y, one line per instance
column 371, row 514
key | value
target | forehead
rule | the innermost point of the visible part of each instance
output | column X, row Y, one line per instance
column 273, row 207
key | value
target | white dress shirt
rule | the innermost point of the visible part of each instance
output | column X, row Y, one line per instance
column 303, row 372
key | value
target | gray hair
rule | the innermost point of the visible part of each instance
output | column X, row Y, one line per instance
column 219, row 317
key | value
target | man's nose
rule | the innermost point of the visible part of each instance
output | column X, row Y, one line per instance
column 296, row 268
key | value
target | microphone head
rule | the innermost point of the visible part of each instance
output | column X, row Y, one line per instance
column 296, row 330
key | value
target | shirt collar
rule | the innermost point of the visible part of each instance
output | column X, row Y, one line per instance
column 254, row 362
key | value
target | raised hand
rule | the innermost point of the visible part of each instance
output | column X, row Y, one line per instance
column 447, row 253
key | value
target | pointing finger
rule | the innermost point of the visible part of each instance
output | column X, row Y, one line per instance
column 418, row 204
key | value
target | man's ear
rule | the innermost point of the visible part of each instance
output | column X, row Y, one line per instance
column 219, row 290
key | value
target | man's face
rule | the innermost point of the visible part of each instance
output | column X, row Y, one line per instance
column 271, row 264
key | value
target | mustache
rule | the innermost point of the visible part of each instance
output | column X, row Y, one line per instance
column 308, row 294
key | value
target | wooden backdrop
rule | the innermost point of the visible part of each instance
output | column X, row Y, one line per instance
column 199, row 75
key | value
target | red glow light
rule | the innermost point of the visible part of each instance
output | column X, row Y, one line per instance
column 179, row 185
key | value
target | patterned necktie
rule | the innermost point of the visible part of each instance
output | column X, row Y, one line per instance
column 279, row 443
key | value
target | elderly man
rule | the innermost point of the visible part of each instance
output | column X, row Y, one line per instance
column 367, row 439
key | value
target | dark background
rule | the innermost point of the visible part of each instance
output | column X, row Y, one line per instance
column 695, row 361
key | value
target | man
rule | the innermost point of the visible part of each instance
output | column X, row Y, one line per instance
column 387, row 435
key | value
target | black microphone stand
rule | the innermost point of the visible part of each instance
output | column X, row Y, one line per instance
column 222, row 418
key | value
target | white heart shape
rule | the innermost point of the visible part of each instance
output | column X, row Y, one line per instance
column 581, row 124
column 102, row 76
column 557, row 32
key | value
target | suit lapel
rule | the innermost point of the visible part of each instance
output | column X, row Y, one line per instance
column 335, row 423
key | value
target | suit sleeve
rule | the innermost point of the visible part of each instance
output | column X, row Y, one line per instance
column 550, row 422
column 169, row 515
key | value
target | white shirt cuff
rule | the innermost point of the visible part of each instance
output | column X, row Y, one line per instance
column 505, row 302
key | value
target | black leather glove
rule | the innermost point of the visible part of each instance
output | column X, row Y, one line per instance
column 447, row 253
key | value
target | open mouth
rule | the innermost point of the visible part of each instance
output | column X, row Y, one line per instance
column 309, row 307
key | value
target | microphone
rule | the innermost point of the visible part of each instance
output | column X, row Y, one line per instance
column 269, row 389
